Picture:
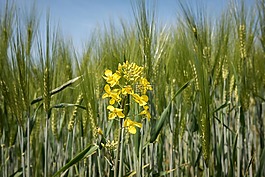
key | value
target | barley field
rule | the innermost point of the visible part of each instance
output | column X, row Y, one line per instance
column 147, row 99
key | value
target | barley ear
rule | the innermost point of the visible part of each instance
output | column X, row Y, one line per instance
column 72, row 119
column 54, row 122
column 46, row 90
column 205, row 137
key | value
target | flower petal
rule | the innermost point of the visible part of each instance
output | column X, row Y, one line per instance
column 111, row 108
column 105, row 95
column 145, row 98
column 126, row 123
column 146, row 107
column 138, row 124
column 143, row 112
column 107, row 88
column 130, row 125
column 108, row 72
column 111, row 101
column 132, row 129
column 112, row 115
column 120, row 115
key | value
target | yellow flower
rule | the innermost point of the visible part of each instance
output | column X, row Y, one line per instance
column 131, row 72
column 99, row 131
column 144, row 85
column 113, row 94
column 141, row 100
column 110, row 78
column 128, row 123
column 127, row 90
column 146, row 112
column 115, row 112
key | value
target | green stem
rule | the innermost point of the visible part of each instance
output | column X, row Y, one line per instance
column 116, row 167
column 140, row 155
column 99, row 164
column 20, row 131
column 28, row 147
column 46, row 148
column 121, row 151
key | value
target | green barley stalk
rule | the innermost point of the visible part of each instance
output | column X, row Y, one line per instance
column 47, row 95
column 225, row 58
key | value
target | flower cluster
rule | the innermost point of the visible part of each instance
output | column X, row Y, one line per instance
column 120, row 87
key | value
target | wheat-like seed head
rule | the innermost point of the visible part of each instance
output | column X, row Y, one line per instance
column 84, row 120
column 242, row 39
column 231, row 86
column 172, row 90
column 245, row 100
column 236, row 94
column 54, row 125
column 97, row 85
column 91, row 119
column 195, row 76
column 205, row 136
column 225, row 68
column 74, row 113
column 218, row 74
column 46, row 90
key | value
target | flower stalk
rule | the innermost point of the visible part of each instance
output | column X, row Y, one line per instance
column 125, row 86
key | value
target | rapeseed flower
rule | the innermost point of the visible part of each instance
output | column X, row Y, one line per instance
column 110, row 78
column 144, row 85
column 146, row 112
column 115, row 112
column 130, row 71
column 127, row 90
column 120, row 88
column 141, row 100
column 113, row 94
column 130, row 125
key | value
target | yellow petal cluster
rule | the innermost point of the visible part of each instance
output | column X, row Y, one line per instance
column 110, row 78
column 131, row 72
column 141, row 100
column 127, row 90
column 125, row 83
column 115, row 112
column 130, row 125
column 144, row 85
column 146, row 112
column 113, row 94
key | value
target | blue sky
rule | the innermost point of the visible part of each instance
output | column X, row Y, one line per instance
column 79, row 18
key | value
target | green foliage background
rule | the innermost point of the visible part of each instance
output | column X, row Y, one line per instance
column 215, row 127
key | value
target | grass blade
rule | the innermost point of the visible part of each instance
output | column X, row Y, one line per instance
column 165, row 114
column 160, row 123
column 261, row 165
column 91, row 149
column 57, row 90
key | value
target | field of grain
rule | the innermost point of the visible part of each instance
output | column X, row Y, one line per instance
column 194, row 94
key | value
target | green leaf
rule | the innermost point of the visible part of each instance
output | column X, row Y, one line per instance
column 64, row 105
column 18, row 173
column 57, row 90
column 165, row 114
column 182, row 88
column 91, row 149
column 261, row 164
column 132, row 173
column 160, row 123
column 233, row 159
column 110, row 123
column 222, row 106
